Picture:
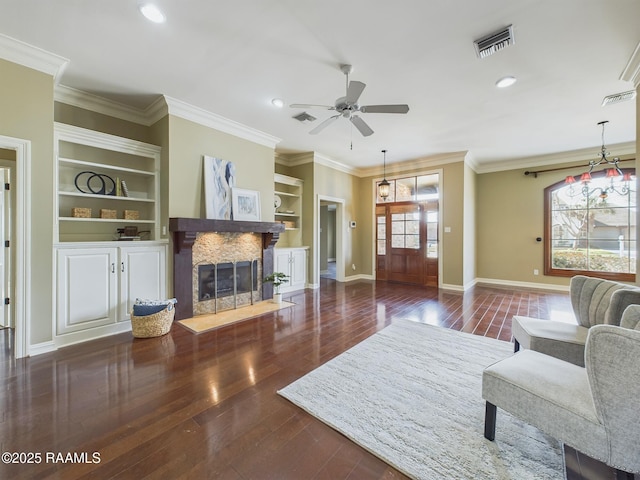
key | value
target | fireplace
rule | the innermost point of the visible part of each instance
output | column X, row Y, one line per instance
column 201, row 243
column 217, row 280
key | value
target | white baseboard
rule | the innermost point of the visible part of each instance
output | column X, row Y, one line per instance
column 91, row 334
column 514, row 283
column 40, row 348
column 456, row 288
column 361, row 276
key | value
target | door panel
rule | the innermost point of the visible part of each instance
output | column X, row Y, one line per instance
column 407, row 243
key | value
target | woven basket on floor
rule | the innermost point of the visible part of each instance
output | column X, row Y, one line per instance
column 153, row 325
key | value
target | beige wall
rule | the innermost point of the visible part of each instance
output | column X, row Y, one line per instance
column 457, row 184
column 332, row 183
column 98, row 122
column 26, row 103
column 510, row 216
column 469, row 232
column 188, row 142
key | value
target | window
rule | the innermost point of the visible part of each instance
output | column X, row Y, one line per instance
column 590, row 229
column 411, row 189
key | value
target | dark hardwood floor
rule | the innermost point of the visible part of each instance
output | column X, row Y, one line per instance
column 204, row 406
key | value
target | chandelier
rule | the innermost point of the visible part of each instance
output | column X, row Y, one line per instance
column 611, row 173
column 384, row 188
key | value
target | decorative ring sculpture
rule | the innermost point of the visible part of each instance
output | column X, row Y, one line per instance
column 96, row 183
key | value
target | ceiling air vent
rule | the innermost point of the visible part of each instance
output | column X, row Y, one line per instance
column 494, row 42
column 304, row 117
column 619, row 97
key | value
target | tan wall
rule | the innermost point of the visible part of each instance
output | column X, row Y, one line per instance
column 452, row 188
column 510, row 216
column 26, row 103
column 188, row 142
column 332, row 183
column 98, row 122
column 469, row 234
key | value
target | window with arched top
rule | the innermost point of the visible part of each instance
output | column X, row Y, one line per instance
column 590, row 226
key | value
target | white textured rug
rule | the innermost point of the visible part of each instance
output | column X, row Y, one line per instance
column 412, row 395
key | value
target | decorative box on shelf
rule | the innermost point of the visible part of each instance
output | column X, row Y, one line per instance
column 107, row 213
column 288, row 224
column 80, row 212
column 131, row 215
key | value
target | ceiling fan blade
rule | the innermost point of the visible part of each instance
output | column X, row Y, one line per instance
column 324, row 124
column 310, row 105
column 354, row 91
column 384, row 108
column 361, row 125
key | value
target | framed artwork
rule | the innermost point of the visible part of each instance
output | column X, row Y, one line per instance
column 246, row 204
column 219, row 180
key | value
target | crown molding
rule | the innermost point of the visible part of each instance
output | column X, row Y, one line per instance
column 631, row 72
column 582, row 155
column 417, row 164
column 95, row 103
column 203, row 117
column 329, row 162
column 29, row 56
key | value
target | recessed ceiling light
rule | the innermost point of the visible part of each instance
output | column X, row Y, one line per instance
column 152, row 13
column 505, row 82
column 277, row 102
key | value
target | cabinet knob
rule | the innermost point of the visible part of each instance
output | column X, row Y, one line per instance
column 113, row 268
column 122, row 266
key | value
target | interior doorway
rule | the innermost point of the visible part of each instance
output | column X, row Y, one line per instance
column 328, row 254
column 15, row 156
column 328, row 239
column 6, row 242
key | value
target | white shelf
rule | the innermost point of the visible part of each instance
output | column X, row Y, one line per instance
column 107, row 198
column 135, row 163
column 102, row 220
column 83, row 163
column 287, row 194
column 278, row 214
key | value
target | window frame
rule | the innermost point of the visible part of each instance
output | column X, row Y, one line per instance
column 548, row 218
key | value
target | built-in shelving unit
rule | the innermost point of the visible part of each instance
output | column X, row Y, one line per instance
column 107, row 175
column 288, row 201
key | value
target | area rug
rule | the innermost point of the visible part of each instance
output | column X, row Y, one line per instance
column 204, row 323
column 412, row 395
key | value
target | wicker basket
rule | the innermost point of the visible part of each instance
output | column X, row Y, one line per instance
column 153, row 325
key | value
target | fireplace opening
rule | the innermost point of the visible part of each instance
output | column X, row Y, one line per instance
column 227, row 279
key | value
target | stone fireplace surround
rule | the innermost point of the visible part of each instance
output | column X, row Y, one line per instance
column 185, row 231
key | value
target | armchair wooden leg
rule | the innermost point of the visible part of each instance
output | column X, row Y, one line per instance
column 622, row 475
column 490, row 421
column 516, row 345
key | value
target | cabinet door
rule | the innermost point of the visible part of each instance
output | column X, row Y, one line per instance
column 142, row 275
column 298, row 268
column 282, row 263
column 86, row 291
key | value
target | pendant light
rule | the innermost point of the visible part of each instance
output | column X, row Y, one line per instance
column 384, row 187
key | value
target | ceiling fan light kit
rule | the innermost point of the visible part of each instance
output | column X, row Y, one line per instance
column 348, row 106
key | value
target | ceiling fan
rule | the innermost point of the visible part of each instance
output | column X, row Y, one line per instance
column 348, row 107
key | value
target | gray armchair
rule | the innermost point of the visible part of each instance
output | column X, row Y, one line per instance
column 595, row 409
column 594, row 301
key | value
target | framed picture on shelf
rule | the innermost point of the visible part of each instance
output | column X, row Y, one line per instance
column 246, row 204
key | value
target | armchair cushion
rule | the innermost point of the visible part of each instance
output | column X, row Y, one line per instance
column 558, row 339
column 549, row 393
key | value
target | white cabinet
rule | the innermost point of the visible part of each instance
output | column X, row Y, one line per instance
column 292, row 262
column 104, row 183
column 97, row 286
column 142, row 275
column 86, row 288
